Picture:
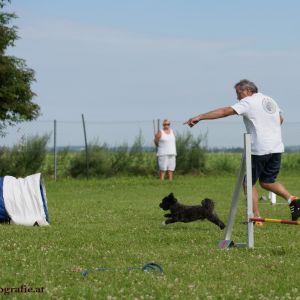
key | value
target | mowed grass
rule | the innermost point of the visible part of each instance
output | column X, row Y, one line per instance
column 116, row 223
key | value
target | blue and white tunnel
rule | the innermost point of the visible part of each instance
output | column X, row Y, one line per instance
column 23, row 201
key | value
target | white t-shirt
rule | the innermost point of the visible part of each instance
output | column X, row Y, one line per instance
column 166, row 144
column 261, row 116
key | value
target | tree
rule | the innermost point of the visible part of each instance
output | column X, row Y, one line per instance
column 15, row 78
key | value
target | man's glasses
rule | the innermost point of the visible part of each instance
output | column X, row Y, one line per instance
column 166, row 124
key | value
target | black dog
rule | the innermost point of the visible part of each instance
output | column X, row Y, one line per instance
column 189, row 213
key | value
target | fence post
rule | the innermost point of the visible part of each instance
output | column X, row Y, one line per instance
column 249, row 211
column 86, row 147
column 54, row 149
column 154, row 130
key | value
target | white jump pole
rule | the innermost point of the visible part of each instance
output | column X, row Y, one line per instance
column 245, row 169
column 272, row 197
column 247, row 143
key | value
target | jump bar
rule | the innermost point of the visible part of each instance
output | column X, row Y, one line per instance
column 289, row 222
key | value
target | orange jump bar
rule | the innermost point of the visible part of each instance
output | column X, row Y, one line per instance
column 289, row 222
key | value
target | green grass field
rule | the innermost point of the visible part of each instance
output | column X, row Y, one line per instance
column 116, row 223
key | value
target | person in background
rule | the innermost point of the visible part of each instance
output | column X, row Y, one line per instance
column 166, row 150
column 262, row 117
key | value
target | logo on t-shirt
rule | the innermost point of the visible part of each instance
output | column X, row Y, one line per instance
column 269, row 105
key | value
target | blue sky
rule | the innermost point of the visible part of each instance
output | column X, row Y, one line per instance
column 141, row 60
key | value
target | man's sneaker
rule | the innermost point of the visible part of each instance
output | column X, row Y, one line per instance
column 295, row 208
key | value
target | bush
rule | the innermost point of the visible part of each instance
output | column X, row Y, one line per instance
column 191, row 154
column 140, row 162
column 120, row 158
column 63, row 162
column 103, row 161
column 5, row 161
column 98, row 163
column 290, row 161
column 25, row 158
column 223, row 163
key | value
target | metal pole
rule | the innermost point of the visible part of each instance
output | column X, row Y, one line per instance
column 235, row 200
column 86, row 147
column 158, row 124
column 156, row 147
column 154, row 130
column 54, row 150
column 247, row 147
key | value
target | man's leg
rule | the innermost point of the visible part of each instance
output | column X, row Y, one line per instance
column 171, row 166
column 267, row 179
column 276, row 188
column 255, row 202
column 162, row 175
column 254, row 199
column 162, row 164
column 170, row 175
column 293, row 201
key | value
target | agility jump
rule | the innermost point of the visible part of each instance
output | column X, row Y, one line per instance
column 245, row 169
column 267, row 220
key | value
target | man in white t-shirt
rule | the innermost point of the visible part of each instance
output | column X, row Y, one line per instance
column 262, row 118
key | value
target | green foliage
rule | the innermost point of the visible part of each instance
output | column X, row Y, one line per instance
column 120, row 158
column 136, row 155
column 290, row 161
column 25, row 158
column 221, row 163
column 191, row 154
column 103, row 161
column 97, row 164
column 139, row 162
column 15, row 79
column 7, row 34
column 63, row 163
column 135, row 160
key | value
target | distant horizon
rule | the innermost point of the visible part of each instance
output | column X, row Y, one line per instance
column 222, row 133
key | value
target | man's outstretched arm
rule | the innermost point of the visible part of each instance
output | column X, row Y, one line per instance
column 214, row 114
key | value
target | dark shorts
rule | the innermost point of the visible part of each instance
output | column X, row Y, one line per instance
column 265, row 167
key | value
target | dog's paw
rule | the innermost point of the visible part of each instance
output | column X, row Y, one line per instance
column 163, row 223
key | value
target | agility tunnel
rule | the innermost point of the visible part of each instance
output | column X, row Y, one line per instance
column 23, row 201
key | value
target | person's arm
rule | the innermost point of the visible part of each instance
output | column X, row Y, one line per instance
column 157, row 138
column 214, row 114
column 281, row 118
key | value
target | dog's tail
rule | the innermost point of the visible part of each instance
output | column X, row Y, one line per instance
column 208, row 204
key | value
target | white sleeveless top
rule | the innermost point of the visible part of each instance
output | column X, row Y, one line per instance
column 166, row 144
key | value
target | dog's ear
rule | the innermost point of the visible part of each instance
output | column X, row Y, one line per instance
column 208, row 204
column 172, row 198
